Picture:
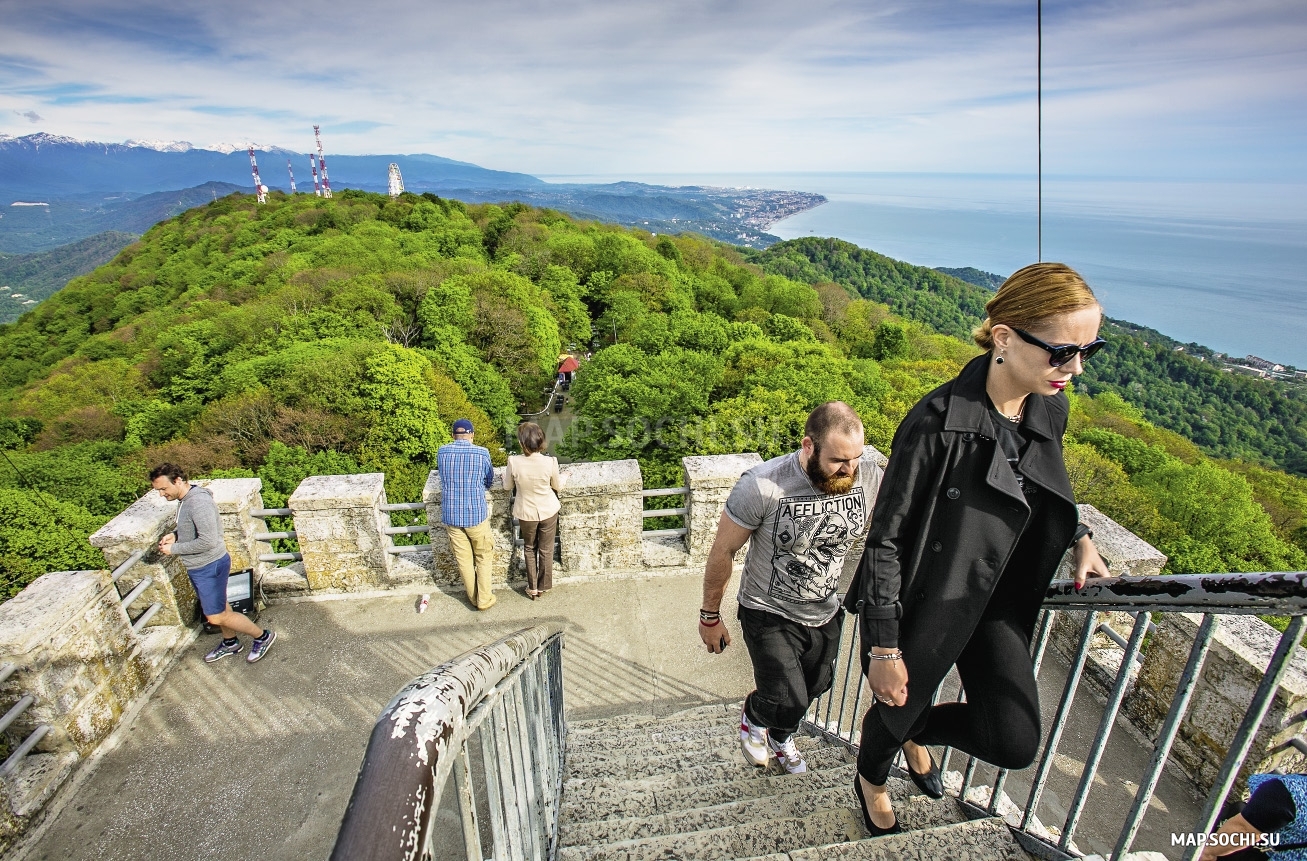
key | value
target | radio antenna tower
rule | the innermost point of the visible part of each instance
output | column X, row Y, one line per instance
column 322, row 164
column 290, row 170
column 259, row 188
column 313, row 166
column 396, row 182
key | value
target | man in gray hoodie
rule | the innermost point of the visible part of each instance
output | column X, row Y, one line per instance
column 197, row 542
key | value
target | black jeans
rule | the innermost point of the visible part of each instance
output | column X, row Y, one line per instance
column 999, row 722
column 793, row 664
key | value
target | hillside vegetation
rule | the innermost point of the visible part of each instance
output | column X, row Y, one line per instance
column 312, row 336
column 38, row 276
column 1227, row 415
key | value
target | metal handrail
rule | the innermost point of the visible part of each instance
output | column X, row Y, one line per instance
column 281, row 557
column 127, row 564
column 270, row 536
column 662, row 512
column 406, row 530
column 665, row 491
column 509, row 696
column 270, row 512
column 1282, row 594
column 403, row 506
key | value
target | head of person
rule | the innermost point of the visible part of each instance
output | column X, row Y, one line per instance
column 170, row 480
column 1040, row 328
column 531, row 437
column 463, row 429
column 832, row 446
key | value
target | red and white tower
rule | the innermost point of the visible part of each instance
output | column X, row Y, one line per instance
column 290, row 170
column 322, row 164
column 313, row 166
column 259, row 188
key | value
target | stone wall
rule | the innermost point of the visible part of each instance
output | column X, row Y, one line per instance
column 599, row 523
column 141, row 527
column 1236, row 662
column 341, row 531
column 76, row 654
column 710, row 479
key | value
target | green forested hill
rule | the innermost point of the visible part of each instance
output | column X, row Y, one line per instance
column 1228, row 415
column 327, row 336
column 37, row 276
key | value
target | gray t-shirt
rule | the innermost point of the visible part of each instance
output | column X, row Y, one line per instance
column 801, row 537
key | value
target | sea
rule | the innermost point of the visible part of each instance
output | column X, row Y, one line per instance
column 1218, row 263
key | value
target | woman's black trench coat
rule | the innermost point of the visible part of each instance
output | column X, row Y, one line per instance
column 949, row 520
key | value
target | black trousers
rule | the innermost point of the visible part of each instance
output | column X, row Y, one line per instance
column 793, row 664
column 999, row 722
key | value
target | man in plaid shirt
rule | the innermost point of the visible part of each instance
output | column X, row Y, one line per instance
column 465, row 476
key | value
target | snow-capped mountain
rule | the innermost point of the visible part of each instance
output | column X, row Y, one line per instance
column 57, row 166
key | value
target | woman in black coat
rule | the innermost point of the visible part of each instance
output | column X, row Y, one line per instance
column 974, row 514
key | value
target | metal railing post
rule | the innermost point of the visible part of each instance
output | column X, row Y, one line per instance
column 1166, row 737
column 1252, row 720
column 495, row 795
column 1104, row 730
column 467, row 807
column 1060, row 721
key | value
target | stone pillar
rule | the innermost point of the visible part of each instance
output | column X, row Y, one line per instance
column 499, row 506
column 75, row 653
column 710, row 479
column 235, row 498
column 140, row 527
column 1126, row 555
column 599, row 524
column 340, row 527
column 1236, row 663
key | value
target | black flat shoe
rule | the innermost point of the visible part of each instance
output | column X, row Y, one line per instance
column 930, row 783
column 872, row 828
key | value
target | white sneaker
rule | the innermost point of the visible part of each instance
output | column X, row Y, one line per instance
column 753, row 741
column 787, row 754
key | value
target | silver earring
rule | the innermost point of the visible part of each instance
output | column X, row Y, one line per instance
column 999, row 360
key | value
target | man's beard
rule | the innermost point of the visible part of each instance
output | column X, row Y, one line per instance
column 828, row 483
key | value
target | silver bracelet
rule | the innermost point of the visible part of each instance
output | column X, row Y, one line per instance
column 896, row 655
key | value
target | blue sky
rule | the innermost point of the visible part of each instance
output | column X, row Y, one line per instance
column 1200, row 89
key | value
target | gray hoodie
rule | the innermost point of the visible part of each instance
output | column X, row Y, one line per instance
column 199, row 530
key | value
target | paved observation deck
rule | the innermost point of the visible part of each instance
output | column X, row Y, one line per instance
column 135, row 747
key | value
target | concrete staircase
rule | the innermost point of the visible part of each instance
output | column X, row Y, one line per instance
column 637, row 789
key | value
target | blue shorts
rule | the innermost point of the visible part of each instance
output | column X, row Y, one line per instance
column 210, row 582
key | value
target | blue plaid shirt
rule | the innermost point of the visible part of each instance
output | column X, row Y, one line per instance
column 465, row 476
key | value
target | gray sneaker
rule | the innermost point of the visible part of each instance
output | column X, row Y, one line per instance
column 259, row 645
column 222, row 650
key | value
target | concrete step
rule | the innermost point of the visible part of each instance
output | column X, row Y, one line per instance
column 709, row 712
column 914, row 811
column 652, row 735
column 729, row 768
column 623, row 764
column 733, row 841
column 978, row 840
column 598, row 801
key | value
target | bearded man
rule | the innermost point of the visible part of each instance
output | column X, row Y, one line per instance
column 802, row 513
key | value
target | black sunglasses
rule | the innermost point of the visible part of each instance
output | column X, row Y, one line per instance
column 1062, row 353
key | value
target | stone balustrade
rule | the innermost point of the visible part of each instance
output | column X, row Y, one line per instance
column 78, row 655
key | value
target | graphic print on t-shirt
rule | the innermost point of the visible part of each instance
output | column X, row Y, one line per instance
column 811, row 537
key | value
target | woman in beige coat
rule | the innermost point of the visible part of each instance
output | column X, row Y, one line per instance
column 535, row 475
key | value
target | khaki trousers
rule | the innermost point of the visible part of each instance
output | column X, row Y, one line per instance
column 474, row 551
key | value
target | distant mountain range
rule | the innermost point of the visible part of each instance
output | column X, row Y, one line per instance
column 57, row 190
column 45, row 165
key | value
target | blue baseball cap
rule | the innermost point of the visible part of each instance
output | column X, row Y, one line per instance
column 462, row 426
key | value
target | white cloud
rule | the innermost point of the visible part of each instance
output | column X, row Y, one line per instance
column 1130, row 87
